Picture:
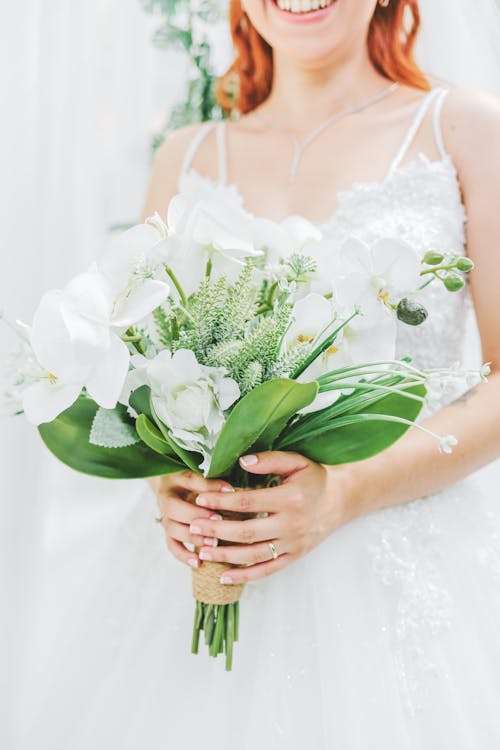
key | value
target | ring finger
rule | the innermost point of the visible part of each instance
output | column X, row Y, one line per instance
column 249, row 554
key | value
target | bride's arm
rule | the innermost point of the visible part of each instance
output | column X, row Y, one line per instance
column 315, row 500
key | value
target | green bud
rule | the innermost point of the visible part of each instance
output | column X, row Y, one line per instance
column 453, row 282
column 433, row 258
column 465, row 265
column 410, row 312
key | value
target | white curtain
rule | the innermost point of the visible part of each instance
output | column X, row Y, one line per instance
column 83, row 90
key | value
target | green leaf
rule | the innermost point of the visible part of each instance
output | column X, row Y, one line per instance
column 152, row 436
column 140, row 401
column 192, row 460
column 343, row 442
column 257, row 420
column 111, row 428
column 67, row 437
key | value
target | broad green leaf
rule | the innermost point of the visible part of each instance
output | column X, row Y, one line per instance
column 67, row 437
column 258, row 419
column 152, row 436
column 342, row 443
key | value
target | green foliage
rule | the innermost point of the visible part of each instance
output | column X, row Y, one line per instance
column 355, row 435
column 67, row 437
column 258, row 419
column 183, row 26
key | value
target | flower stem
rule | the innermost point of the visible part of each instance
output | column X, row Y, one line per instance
column 177, row 284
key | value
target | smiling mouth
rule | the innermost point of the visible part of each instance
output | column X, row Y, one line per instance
column 303, row 6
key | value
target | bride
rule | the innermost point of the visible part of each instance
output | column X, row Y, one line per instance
column 376, row 626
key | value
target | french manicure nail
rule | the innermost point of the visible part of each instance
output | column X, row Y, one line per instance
column 210, row 541
column 195, row 529
column 249, row 460
column 205, row 555
column 201, row 501
column 193, row 562
column 226, row 579
column 215, row 517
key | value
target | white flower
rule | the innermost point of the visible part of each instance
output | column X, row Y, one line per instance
column 203, row 230
column 447, row 443
column 280, row 239
column 189, row 398
column 312, row 321
column 76, row 332
column 378, row 274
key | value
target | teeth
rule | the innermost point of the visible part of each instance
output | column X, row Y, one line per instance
column 302, row 6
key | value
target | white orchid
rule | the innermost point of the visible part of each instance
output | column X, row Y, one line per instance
column 280, row 239
column 377, row 274
column 189, row 398
column 201, row 231
column 76, row 332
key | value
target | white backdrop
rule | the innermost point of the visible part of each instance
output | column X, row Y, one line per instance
column 83, row 91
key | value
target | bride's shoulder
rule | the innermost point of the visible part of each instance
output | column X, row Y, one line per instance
column 471, row 125
column 167, row 164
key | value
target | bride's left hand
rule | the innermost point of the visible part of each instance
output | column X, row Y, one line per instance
column 310, row 503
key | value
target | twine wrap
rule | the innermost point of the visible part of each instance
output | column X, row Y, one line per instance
column 208, row 589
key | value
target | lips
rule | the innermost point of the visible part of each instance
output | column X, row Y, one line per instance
column 302, row 11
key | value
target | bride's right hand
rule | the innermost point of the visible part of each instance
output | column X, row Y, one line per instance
column 175, row 495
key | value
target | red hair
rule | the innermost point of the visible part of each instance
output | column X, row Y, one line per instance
column 391, row 41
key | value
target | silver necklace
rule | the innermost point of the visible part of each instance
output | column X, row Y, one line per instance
column 300, row 146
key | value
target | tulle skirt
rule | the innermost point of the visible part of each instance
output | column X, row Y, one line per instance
column 385, row 636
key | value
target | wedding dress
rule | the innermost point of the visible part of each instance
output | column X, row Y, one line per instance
column 383, row 637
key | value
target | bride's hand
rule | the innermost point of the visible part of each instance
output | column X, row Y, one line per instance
column 175, row 494
column 311, row 502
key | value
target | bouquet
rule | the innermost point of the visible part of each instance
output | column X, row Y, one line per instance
column 192, row 342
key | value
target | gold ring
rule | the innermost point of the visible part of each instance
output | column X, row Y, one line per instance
column 159, row 519
column 274, row 551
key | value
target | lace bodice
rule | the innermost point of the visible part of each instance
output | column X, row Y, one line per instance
column 419, row 201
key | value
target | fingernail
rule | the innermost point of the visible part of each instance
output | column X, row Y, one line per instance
column 248, row 460
column 201, row 501
column 215, row 517
column 195, row 529
column 205, row 555
column 210, row 541
column 226, row 488
column 193, row 562
column 226, row 579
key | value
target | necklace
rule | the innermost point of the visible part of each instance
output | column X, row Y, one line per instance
column 300, row 146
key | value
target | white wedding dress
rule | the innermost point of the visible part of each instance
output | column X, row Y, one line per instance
column 385, row 637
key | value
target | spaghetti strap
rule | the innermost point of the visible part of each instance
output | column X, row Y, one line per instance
column 193, row 146
column 436, row 121
column 422, row 110
column 220, row 130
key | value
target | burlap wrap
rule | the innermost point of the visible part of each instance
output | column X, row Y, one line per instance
column 208, row 589
column 206, row 579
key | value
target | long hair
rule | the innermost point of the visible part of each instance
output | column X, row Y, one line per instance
column 391, row 41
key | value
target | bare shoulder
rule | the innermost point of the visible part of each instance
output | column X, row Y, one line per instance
column 471, row 128
column 165, row 169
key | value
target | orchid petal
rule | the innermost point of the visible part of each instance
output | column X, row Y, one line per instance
column 45, row 400
column 106, row 382
column 397, row 262
column 53, row 346
column 131, row 246
column 145, row 297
